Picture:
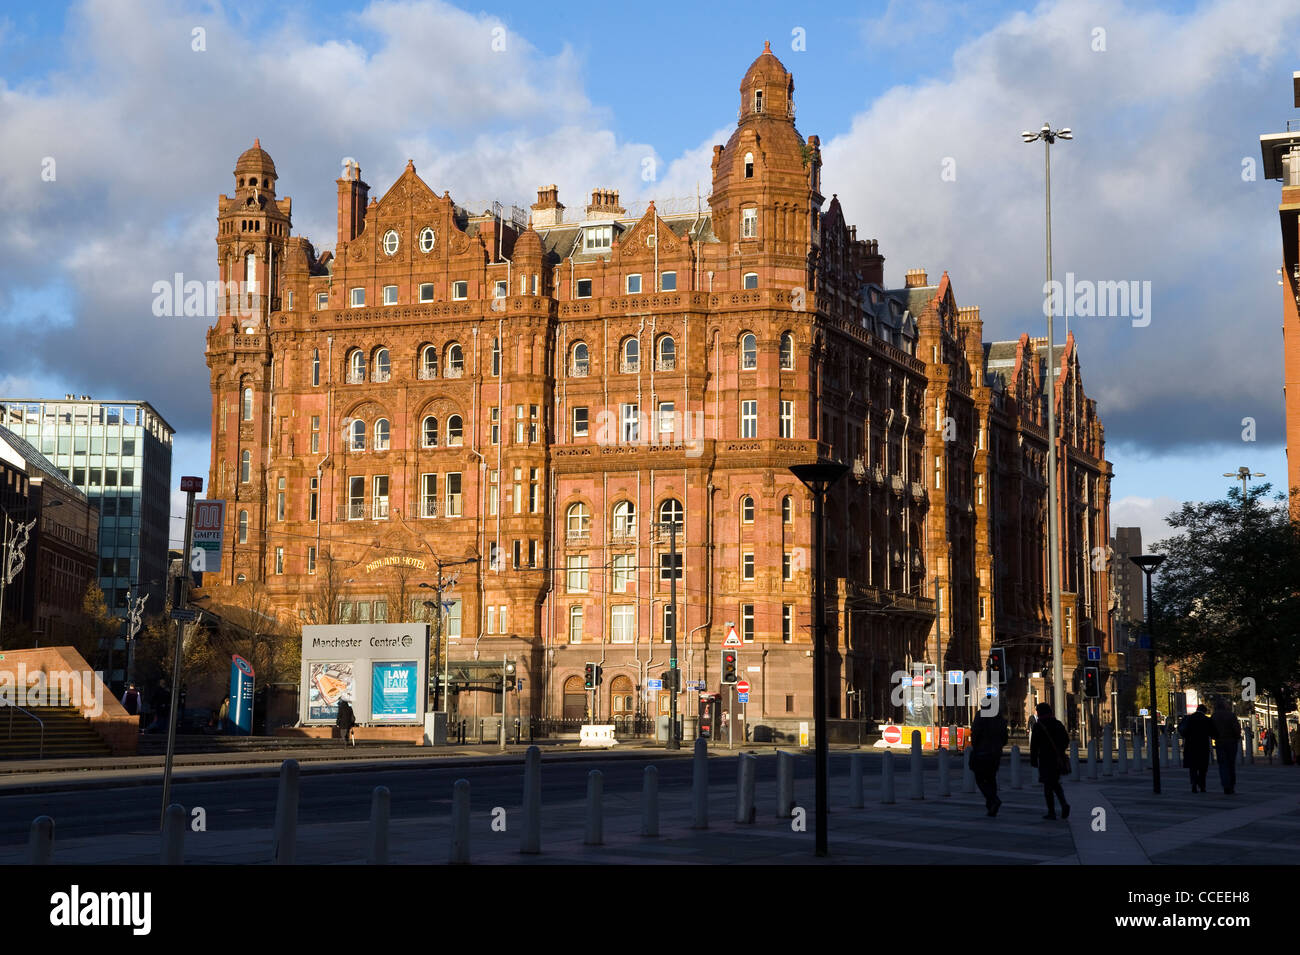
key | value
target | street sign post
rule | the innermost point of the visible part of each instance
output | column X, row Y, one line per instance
column 1094, row 654
column 654, row 684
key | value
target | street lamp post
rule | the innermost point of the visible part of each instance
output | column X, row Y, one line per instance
column 674, row 739
column 1243, row 474
column 819, row 478
column 444, row 693
column 1148, row 564
column 1050, row 136
column 14, row 556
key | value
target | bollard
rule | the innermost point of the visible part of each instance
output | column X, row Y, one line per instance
column 380, row 801
column 746, row 770
column 284, row 843
column 173, row 836
column 1093, row 768
column 40, row 842
column 700, row 785
column 945, row 786
column 1074, row 759
column 1137, row 752
column 887, row 777
column 1123, row 755
column 1178, row 749
column 856, row 797
column 650, row 802
column 918, row 781
column 595, row 821
column 967, row 771
column 784, row 785
column 1108, row 744
column 460, row 823
column 531, row 842
column 1164, row 748
column 1015, row 766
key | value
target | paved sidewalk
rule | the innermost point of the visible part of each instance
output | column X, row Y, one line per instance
column 1259, row 825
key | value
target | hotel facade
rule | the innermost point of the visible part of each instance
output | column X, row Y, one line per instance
column 518, row 409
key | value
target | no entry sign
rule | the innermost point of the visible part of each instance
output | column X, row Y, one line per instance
column 742, row 686
column 892, row 734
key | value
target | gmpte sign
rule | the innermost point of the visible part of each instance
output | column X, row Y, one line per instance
column 52, row 688
column 212, row 299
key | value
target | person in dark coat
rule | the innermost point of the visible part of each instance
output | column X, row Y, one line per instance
column 988, row 734
column 345, row 722
column 1270, row 744
column 1227, row 743
column 1196, row 731
column 1047, row 746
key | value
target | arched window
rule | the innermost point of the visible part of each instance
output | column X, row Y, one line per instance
column 787, row 352
column 455, row 360
column 248, row 404
column 621, row 697
column 667, row 353
column 758, row 101
column 315, row 367
column 671, row 512
column 748, row 351
column 579, row 520
column 430, row 429
column 625, row 519
column 749, row 280
column 243, row 527
column 245, row 467
column 581, row 361
column 356, row 367
column 455, row 431
column 749, row 165
column 429, row 362
column 381, row 434
column 358, row 435
column 631, row 355
column 787, row 510
column 746, row 510
column 382, row 365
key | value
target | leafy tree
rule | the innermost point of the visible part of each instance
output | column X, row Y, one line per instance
column 1227, row 597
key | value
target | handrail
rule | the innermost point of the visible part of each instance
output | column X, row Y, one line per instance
column 41, row 722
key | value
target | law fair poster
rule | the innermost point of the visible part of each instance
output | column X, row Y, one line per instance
column 393, row 697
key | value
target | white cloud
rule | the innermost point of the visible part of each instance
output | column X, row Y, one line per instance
column 1147, row 513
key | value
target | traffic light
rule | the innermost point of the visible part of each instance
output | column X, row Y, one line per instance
column 590, row 676
column 730, row 667
column 673, row 679
column 998, row 665
column 1092, row 682
column 599, row 677
column 510, row 676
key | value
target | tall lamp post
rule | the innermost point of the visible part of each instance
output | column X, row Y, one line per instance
column 16, row 537
column 437, row 646
column 1244, row 474
column 1148, row 564
column 1050, row 136
column 673, row 672
column 819, row 478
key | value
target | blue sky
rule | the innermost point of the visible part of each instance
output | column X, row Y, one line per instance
column 145, row 131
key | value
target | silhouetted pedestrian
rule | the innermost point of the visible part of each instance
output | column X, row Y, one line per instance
column 346, row 721
column 131, row 700
column 1227, row 743
column 1196, row 730
column 988, row 734
column 1047, row 746
column 1270, row 744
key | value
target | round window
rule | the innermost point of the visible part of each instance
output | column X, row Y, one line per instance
column 426, row 240
column 390, row 241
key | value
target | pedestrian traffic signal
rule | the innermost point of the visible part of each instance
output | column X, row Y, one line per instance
column 1092, row 682
column 730, row 667
column 590, row 676
column 998, row 665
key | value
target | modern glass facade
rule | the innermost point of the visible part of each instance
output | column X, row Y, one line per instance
column 120, row 454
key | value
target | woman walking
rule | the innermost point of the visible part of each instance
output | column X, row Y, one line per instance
column 1047, row 745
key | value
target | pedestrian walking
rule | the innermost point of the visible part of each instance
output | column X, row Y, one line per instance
column 1227, row 743
column 346, row 721
column 223, row 714
column 1196, row 730
column 988, row 734
column 1047, row 750
column 131, row 700
column 1270, row 744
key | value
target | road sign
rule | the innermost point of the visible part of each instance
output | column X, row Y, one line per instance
column 185, row 615
column 1144, row 641
column 905, row 681
column 892, row 734
column 742, row 686
column 742, row 697
column 956, row 677
column 1094, row 654
column 990, row 690
column 733, row 638
column 654, row 684
column 209, row 528
column 192, row 484
column 697, row 685
column 1143, row 712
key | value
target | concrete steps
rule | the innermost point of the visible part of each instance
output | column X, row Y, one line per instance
column 67, row 733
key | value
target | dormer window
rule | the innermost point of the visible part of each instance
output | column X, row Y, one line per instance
column 749, row 165
column 758, row 101
column 598, row 238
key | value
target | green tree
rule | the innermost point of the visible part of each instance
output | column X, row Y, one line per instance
column 1227, row 597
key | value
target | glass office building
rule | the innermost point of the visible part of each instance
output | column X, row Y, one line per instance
column 120, row 454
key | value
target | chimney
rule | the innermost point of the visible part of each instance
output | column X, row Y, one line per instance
column 547, row 210
column 916, row 278
column 868, row 261
column 604, row 205
column 352, row 203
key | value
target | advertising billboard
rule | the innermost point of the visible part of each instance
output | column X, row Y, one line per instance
column 381, row 669
column 393, row 692
column 327, row 683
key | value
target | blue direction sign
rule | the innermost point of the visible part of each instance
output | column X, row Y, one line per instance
column 1144, row 642
column 654, row 684
column 905, row 681
column 990, row 690
column 185, row 615
column 1094, row 654
column 956, row 677
column 742, row 697
column 697, row 685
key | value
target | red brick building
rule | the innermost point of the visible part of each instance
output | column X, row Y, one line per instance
column 545, row 399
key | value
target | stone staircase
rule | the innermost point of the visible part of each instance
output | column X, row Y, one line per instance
column 66, row 733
